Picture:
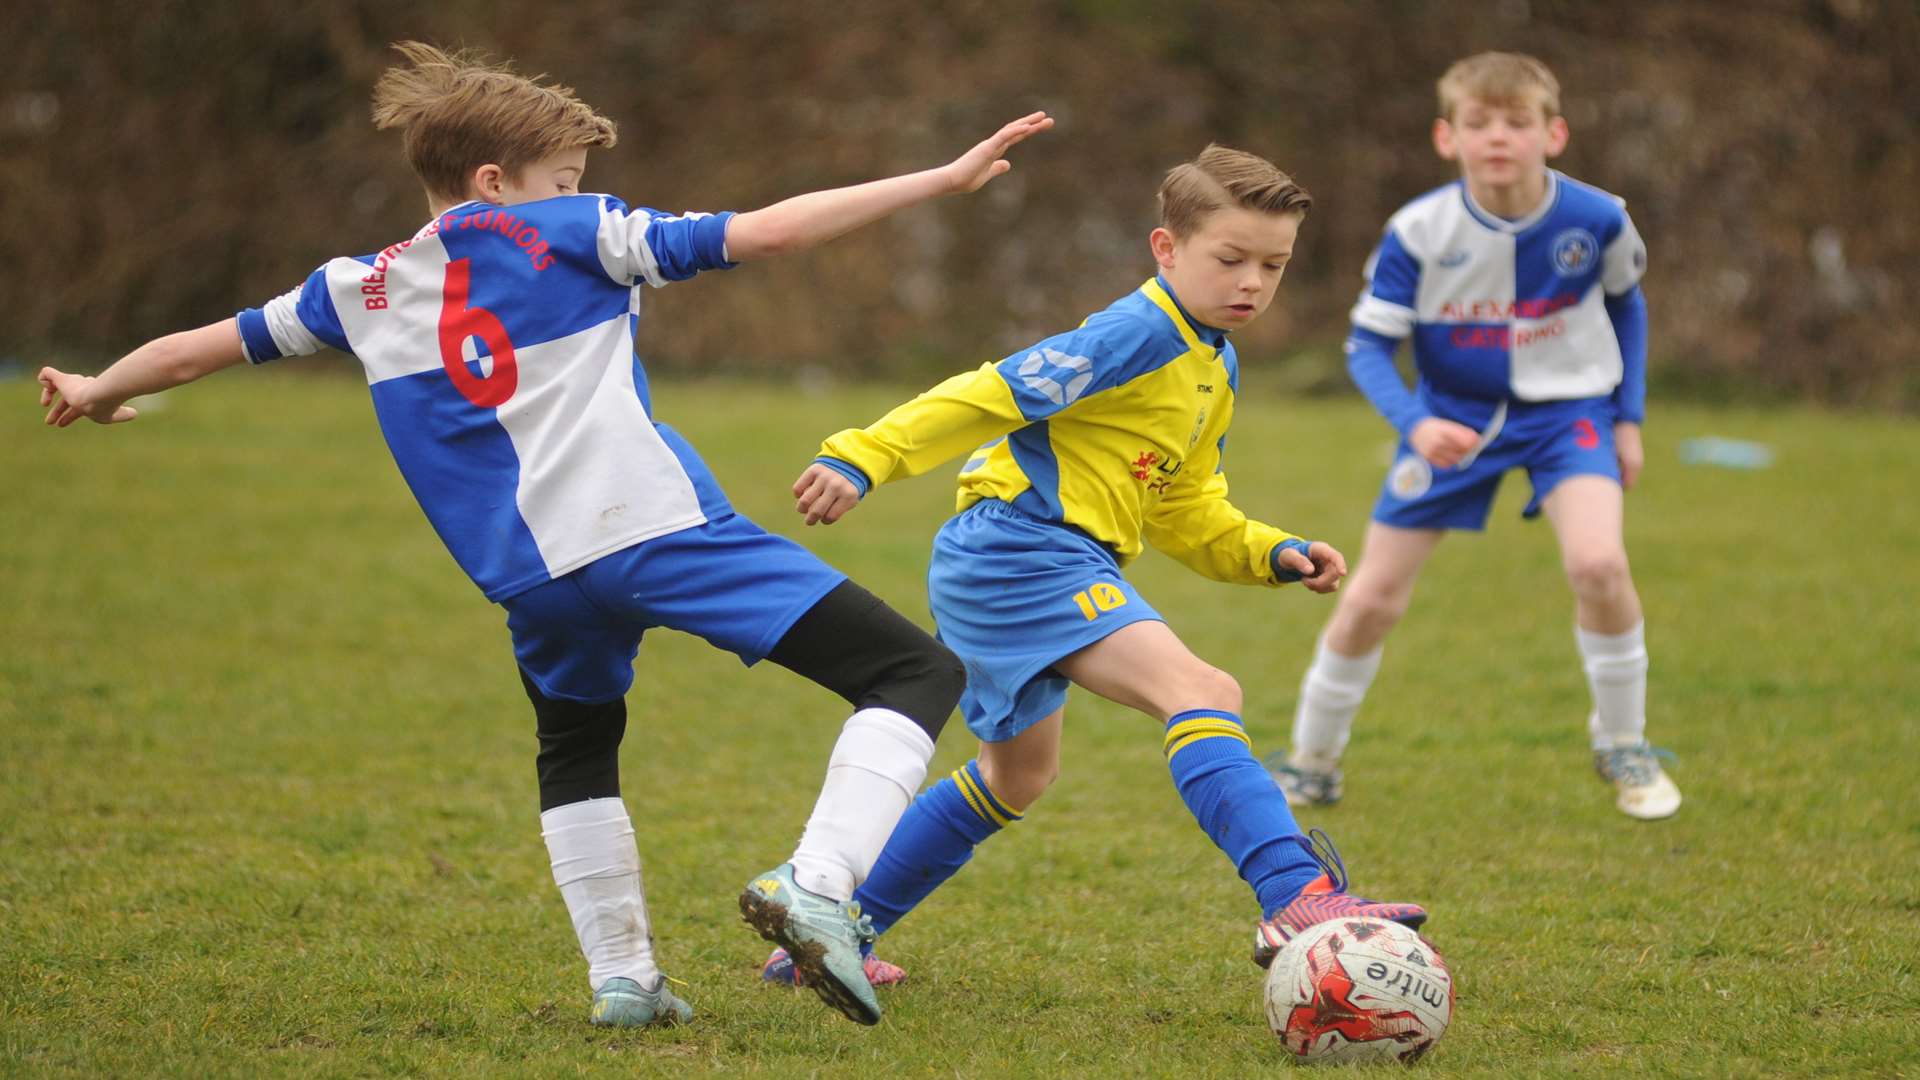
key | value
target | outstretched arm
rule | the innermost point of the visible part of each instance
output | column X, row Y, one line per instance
column 960, row 414
column 160, row 364
column 809, row 220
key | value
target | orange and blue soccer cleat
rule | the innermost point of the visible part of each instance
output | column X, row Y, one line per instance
column 780, row 969
column 1324, row 899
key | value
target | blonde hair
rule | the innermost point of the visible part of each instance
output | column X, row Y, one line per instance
column 1500, row 78
column 1219, row 177
column 460, row 111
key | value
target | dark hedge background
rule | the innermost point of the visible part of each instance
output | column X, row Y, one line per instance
column 164, row 163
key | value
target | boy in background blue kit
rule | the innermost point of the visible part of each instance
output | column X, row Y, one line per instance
column 1520, row 289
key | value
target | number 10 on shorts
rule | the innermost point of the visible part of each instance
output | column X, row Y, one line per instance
column 1101, row 597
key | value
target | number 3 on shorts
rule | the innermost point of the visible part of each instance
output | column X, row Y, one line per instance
column 1101, row 597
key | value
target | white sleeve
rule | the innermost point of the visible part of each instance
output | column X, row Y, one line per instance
column 657, row 247
column 1625, row 259
column 283, row 322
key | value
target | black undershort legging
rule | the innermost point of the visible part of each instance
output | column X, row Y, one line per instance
column 850, row 642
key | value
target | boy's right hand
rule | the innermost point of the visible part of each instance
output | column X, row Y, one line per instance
column 67, row 398
column 823, row 495
column 1442, row 442
column 971, row 170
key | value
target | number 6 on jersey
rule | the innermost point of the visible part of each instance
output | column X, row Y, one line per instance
column 458, row 322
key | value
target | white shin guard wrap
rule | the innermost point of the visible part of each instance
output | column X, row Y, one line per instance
column 1330, row 695
column 597, row 867
column 1616, row 666
column 878, row 763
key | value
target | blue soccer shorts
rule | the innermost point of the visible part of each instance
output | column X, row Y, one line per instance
column 1552, row 440
column 1011, row 594
column 728, row 581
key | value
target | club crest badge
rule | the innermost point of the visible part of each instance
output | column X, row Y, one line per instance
column 1574, row 251
column 1410, row 478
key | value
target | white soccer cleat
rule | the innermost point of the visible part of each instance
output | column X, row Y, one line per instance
column 1644, row 789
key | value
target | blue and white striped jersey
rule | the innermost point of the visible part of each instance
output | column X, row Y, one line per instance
column 1501, row 309
column 498, row 347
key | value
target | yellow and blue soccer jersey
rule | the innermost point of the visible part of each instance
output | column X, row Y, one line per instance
column 1116, row 428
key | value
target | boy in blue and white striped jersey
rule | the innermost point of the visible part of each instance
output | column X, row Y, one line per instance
column 1519, row 288
column 498, row 347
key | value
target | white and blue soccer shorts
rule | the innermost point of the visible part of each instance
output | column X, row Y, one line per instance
column 728, row 581
column 1552, row 440
column 1010, row 595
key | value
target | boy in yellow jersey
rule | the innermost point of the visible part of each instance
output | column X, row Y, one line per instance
column 1084, row 448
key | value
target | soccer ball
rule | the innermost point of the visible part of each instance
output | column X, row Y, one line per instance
column 1358, row 990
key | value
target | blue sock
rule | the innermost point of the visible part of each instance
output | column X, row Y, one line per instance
column 1238, row 804
column 935, row 838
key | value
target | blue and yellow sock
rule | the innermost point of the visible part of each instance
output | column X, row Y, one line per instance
column 935, row 838
column 1238, row 804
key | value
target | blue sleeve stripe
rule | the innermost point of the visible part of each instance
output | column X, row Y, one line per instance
column 255, row 336
column 850, row 471
column 1370, row 364
column 1281, row 573
column 317, row 313
column 710, row 241
column 1628, row 312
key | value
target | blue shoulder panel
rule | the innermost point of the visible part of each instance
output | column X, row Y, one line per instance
column 1113, row 347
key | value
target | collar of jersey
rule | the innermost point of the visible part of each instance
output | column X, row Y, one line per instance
column 1162, row 296
column 1519, row 225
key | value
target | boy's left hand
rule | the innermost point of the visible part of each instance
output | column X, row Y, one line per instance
column 67, row 398
column 823, row 495
column 1320, row 569
column 971, row 170
column 1633, row 457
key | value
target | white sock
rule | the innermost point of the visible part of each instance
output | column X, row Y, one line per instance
column 597, row 867
column 1330, row 694
column 879, row 762
column 1617, row 673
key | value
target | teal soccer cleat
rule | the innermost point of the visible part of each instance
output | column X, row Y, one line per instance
column 1304, row 786
column 822, row 936
column 1645, row 790
column 623, row 1003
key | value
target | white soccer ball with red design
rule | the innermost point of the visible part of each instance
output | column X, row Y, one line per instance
column 1358, row 990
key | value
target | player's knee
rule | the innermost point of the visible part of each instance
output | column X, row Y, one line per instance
column 1597, row 573
column 945, row 675
column 579, row 755
column 1020, row 784
column 1199, row 685
column 923, row 683
column 1371, row 612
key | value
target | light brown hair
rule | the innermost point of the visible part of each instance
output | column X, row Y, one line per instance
column 460, row 111
column 1499, row 78
column 1221, row 177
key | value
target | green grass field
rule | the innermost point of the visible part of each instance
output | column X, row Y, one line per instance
column 268, row 803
